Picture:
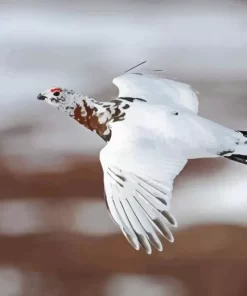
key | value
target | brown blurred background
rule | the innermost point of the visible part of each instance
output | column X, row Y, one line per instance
column 56, row 237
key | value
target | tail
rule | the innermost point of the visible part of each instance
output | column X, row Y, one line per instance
column 239, row 157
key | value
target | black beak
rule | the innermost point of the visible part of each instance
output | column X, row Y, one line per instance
column 41, row 97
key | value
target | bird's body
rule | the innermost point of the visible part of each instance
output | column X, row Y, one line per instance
column 151, row 130
column 174, row 131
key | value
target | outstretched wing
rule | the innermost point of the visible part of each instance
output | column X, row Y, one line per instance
column 138, row 197
column 155, row 89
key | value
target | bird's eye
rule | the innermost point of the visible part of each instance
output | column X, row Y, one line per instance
column 57, row 93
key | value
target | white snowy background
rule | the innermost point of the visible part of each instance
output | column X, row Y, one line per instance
column 83, row 45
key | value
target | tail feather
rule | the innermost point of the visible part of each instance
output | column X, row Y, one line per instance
column 239, row 157
column 244, row 133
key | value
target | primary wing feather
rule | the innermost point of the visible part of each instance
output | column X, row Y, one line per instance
column 137, row 202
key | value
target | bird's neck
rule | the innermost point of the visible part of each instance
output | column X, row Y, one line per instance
column 95, row 115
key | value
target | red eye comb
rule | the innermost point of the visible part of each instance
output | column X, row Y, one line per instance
column 56, row 89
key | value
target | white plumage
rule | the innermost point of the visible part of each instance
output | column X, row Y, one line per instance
column 151, row 131
column 150, row 148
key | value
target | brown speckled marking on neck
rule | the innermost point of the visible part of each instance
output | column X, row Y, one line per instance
column 90, row 116
column 91, row 120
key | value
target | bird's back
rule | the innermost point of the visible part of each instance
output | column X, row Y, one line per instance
column 173, row 130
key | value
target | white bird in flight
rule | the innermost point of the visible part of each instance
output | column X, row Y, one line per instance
column 150, row 130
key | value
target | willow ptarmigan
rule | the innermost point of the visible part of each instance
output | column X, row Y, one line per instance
column 150, row 131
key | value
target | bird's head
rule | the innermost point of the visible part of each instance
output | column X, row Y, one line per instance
column 58, row 97
column 92, row 114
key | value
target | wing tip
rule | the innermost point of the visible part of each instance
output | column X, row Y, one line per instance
column 170, row 218
column 132, row 240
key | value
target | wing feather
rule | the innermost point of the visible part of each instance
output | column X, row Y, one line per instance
column 125, row 225
column 137, row 227
column 140, row 207
column 157, row 218
column 155, row 89
column 145, row 222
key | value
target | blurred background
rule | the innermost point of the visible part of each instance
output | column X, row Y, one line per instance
column 56, row 237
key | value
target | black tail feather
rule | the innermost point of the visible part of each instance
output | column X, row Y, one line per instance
column 238, row 158
column 244, row 133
